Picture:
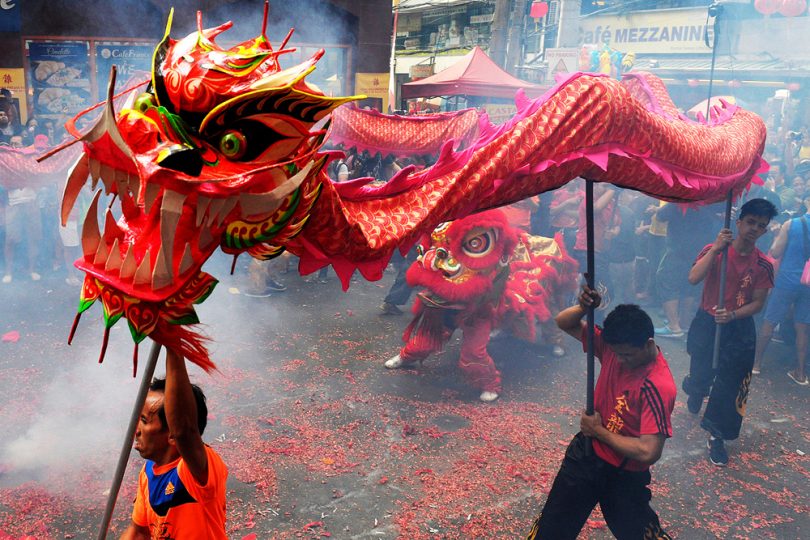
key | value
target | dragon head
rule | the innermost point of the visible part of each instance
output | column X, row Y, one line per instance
column 464, row 259
column 218, row 150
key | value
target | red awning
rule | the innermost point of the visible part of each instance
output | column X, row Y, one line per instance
column 474, row 75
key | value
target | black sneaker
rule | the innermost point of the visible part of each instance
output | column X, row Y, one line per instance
column 390, row 309
column 694, row 403
column 275, row 286
column 717, row 452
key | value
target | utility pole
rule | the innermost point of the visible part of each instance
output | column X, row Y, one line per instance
column 515, row 32
column 568, row 29
column 499, row 38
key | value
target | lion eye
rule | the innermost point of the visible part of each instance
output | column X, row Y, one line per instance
column 479, row 245
column 144, row 102
column 233, row 145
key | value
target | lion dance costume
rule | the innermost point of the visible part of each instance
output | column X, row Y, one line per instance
column 482, row 274
column 220, row 149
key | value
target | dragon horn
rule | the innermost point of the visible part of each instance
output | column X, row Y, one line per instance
column 264, row 19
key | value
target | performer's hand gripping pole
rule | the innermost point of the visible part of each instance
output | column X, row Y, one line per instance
column 126, row 449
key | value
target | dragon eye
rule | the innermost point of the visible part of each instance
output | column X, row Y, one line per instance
column 480, row 244
column 144, row 102
column 233, row 145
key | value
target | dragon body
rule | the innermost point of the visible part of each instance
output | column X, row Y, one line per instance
column 479, row 274
column 220, row 149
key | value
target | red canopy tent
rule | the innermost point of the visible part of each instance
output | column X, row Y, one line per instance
column 474, row 75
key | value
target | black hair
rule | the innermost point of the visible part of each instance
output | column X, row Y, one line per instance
column 759, row 207
column 627, row 324
column 159, row 385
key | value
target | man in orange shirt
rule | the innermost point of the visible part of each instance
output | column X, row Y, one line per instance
column 181, row 488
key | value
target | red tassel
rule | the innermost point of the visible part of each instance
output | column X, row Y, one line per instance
column 185, row 340
column 104, row 345
column 75, row 325
column 135, row 361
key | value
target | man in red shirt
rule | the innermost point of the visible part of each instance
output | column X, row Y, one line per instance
column 749, row 277
column 181, row 488
column 633, row 402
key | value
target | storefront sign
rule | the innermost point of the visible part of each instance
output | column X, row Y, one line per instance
column 666, row 31
column 409, row 22
column 14, row 80
column 420, row 71
column 132, row 61
column 373, row 85
column 59, row 73
column 482, row 19
column 446, row 12
column 10, row 15
column 498, row 114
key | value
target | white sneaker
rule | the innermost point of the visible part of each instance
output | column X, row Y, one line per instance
column 35, row 276
column 7, row 278
column 393, row 363
column 488, row 396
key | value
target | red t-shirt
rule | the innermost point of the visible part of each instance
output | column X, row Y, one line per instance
column 607, row 218
column 565, row 219
column 744, row 275
column 632, row 402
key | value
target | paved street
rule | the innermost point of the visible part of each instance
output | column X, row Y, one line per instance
column 322, row 441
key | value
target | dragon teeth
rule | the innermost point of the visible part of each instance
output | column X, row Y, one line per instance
column 95, row 170
column 111, row 229
column 143, row 275
column 102, row 253
column 129, row 266
column 213, row 211
column 230, row 204
column 150, row 195
column 170, row 210
column 205, row 239
column 91, row 236
column 187, row 261
column 76, row 180
column 161, row 274
column 202, row 206
column 113, row 264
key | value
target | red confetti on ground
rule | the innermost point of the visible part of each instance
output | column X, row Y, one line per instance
column 11, row 337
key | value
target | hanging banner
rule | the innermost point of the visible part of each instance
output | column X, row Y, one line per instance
column 133, row 63
column 59, row 75
column 374, row 85
column 10, row 15
column 14, row 80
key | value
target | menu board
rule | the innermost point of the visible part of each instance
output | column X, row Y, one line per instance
column 133, row 63
column 59, row 75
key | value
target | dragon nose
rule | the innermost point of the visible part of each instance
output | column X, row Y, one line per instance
column 181, row 158
column 442, row 254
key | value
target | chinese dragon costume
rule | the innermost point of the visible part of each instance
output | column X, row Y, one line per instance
column 220, row 149
column 481, row 274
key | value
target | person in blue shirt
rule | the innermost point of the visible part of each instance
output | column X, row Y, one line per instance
column 792, row 246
